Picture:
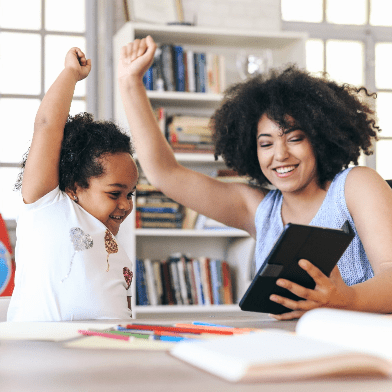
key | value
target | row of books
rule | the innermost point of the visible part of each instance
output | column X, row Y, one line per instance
column 186, row 133
column 155, row 210
column 183, row 280
column 178, row 69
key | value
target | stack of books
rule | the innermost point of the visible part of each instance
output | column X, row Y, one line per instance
column 178, row 69
column 190, row 134
column 183, row 280
column 155, row 210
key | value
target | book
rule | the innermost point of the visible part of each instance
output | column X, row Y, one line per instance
column 156, row 266
column 327, row 343
column 205, row 276
column 180, row 263
column 322, row 246
column 166, row 282
column 190, row 71
column 200, row 71
column 179, row 68
column 189, row 219
column 199, row 286
column 167, row 67
column 227, row 283
column 175, row 281
column 150, row 280
column 215, row 284
column 148, row 79
column 141, row 284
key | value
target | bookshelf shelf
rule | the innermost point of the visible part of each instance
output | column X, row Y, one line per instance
column 190, row 233
column 184, row 157
column 236, row 247
column 181, row 97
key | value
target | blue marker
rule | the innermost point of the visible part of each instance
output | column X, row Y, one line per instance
column 209, row 324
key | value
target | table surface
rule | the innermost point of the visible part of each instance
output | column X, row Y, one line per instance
column 48, row 366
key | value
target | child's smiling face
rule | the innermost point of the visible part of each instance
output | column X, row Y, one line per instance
column 109, row 196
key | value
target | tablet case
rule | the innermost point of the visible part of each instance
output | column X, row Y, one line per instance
column 322, row 246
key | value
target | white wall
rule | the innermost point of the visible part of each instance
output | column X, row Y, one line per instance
column 234, row 14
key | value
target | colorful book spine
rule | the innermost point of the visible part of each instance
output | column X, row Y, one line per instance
column 167, row 67
column 141, row 285
column 179, row 69
column 227, row 284
column 150, row 280
column 202, row 72
column 148, row 79
column 156, row 266
column 214, row 282
column 190, row 72
column 168, row 288
column 199, row 286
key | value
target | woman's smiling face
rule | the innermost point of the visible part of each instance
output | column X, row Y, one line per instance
column 286, row 157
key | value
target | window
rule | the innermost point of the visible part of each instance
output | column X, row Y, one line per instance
column 352, row 41
column 33, row 44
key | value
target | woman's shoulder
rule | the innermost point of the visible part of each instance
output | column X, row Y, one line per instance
column 364, row 182
column 363, row 176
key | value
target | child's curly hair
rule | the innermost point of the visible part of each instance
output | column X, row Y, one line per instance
column 85, row 141
column 338, row 124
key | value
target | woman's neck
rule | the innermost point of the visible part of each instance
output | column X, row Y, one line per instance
column 301, row 207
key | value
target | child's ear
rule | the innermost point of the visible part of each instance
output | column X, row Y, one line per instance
column 71, row 192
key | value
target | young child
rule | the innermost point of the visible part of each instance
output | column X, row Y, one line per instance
column 298, row 133
column 78, row 181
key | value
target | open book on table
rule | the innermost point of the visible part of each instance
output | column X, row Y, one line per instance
column 327, row 342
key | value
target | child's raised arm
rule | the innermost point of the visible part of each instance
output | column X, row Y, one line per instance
column 232, row 204
column 41, row 173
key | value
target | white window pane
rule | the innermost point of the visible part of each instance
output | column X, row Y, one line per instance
column 384, row 107
column 347, row 11
column 56, row 48
column 384, row 158
column 20, row 63
column 314, row 55
column 9, row 199
column 21, row 14
column 17, row 119
column 77, row 106
column 302, row 10
column 345, row 61
column 380, row 12
column 65, row 15
column 383, row 65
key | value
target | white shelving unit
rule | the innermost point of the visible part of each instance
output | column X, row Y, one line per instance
column 236, row 246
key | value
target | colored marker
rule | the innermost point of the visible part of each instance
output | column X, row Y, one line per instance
column 187, row 328
column 103, row 334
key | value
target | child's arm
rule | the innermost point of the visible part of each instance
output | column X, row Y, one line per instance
column 41, row 173
column 232, row 204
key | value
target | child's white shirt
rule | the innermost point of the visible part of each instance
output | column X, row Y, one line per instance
column 45, row 247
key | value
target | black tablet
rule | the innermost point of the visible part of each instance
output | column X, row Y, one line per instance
column 322, row 246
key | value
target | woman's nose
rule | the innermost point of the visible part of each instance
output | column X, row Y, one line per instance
column 281, row 151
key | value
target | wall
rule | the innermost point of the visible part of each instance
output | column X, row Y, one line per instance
column 232, row 14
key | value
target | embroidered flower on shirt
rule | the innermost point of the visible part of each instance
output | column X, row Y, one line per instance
column 128, row 275
column 110, row 245
column 80, row 241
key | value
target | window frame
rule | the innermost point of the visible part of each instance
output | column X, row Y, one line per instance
column 90, row 34
column 368, row 34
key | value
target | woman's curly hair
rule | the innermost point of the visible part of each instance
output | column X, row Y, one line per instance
column 85, row 141
column 338, row 123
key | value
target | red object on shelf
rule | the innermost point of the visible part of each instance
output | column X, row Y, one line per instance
column 8, row 283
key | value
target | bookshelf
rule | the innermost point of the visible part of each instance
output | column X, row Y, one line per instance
column 236, row 247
